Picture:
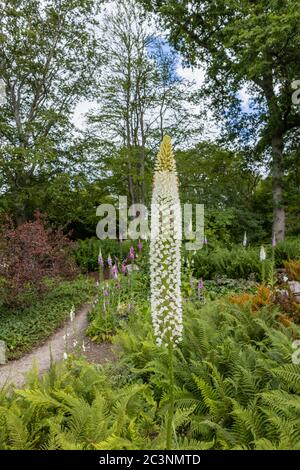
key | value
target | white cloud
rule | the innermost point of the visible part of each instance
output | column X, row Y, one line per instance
column 79, row 117
column 195, row 74
column 244, row 96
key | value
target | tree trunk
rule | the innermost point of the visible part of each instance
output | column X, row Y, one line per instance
column 20, row 219
column 277, row 174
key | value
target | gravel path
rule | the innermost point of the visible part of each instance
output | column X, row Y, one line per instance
column 15, row 371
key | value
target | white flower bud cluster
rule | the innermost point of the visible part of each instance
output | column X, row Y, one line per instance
column 166, row 226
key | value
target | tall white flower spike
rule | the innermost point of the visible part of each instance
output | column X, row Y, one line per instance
column 262, row 253
column 72, row 313
column 166, row 234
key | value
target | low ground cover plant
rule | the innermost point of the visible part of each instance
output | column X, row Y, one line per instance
column 24, row 328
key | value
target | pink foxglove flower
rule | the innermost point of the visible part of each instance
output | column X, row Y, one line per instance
column 131, row 253
column 124, row 267
column 106, row 293
column 199, row 290
column 165, row 258
column 140, row 245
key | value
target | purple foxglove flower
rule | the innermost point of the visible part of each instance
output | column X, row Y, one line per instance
column 140, row 245
column 100, row 259
column 118, row 285
column 131, row 253
column 273, row 240
column 124, row 267
column 105, row 293
column 200, row 284
column 109, row 261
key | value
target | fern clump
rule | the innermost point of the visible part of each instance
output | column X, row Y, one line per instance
column 227, row 365
column 235, row 388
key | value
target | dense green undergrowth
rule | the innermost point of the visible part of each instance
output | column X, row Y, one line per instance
column 238, row 262
column 22, row 329
column 236, row 388
column 234, row 262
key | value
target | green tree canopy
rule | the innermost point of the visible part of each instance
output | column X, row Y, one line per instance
column 48, row 56
column 254, row 44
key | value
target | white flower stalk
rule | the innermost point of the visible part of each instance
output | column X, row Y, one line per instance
column 72, row 314
column 262, row 253
column 165, row 267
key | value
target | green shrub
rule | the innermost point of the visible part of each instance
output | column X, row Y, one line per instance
column 236, row 263
column 288, row 250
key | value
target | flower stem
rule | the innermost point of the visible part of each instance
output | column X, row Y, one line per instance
column 171, row 396
column 272, row 275
column 263, row 272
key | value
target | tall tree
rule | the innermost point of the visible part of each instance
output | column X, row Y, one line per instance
column 141, row 97
column 48, row 56
column 247, row 43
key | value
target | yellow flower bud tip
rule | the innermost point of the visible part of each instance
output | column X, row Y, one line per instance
column 165, row 158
